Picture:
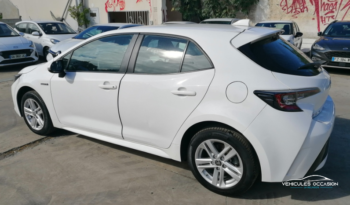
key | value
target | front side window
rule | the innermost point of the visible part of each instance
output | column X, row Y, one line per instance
column 287, row 27
column 338, row 30
column 6, row 31
column 33, row 28
column 56, row 28
column 22, row 27
column 160, row 55
column 105, row 54
column 92, row 31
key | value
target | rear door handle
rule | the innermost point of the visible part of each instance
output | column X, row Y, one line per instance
column 108, row 87
column 183, row 92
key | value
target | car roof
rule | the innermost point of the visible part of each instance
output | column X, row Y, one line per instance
column 29, row 21
column 221, row 19
column 117, row 24
column 179, row 22
column 199, row 32
column 279, row 21
column 2, row 22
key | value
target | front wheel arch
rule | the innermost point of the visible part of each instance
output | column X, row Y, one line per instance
column 20, row 94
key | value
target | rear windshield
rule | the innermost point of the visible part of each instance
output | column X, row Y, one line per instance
column 277, row 55
column 287, row 27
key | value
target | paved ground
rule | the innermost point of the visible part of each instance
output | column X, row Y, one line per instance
column 74, row 169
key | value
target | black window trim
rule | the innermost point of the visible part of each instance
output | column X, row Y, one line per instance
column 126, row 57
column 132, row 63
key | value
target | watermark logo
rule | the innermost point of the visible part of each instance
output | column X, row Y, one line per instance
column 311, row 182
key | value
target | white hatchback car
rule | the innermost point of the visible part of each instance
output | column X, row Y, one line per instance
column 14, row 49
column 44, row 34
column 87, row 33
column 234, row 107
column 291, row 32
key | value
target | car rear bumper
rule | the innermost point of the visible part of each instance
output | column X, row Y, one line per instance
column 313, row 154
column 291, row 145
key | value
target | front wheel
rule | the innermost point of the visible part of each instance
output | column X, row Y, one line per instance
column 35, row 114
column 223, row 161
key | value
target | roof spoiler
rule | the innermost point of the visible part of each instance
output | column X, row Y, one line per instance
column 242, row 22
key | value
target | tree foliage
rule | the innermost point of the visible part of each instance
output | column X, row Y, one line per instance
column 200, row 9
column 0, row 16
column 80, row 13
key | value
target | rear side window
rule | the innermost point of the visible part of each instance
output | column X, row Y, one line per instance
column 160, row 55
column 195, row 59
column 277, row 55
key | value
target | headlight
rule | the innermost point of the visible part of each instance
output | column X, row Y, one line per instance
column 54, row 41
column 17, row 76
column 318, row 47
column 31, row 44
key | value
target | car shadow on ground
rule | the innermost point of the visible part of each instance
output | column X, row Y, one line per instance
column 337, row 168
column 338, row 71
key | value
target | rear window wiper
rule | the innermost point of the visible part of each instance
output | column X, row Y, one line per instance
column 315, row 65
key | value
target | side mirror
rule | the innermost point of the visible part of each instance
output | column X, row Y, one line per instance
column 20, row 33
column 299, row 34
column 35, row 33
column 319, row 33
column 57, row 67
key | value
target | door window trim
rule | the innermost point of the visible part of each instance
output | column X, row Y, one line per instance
column 126, row 57
column 133, row 59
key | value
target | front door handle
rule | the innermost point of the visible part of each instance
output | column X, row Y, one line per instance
column 108, row 87
column 183, row 92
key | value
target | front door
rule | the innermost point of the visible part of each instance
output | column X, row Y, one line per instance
column 87, row 97
column 36, row 39
column 165, row 83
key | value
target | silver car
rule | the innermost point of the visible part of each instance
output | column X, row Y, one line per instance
column 44, row 34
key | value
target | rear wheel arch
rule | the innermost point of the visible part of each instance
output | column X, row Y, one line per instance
column 20, row 94
column 190, row 132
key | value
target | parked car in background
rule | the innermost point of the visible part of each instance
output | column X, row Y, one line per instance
column 87, row 33
column 14, row 49
column 179, row 22
column 219, row 21
column 333, row 46
column 291, row 31
column 44, row 34
column 241, row 107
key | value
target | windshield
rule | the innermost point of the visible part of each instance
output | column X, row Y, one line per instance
column 56, row 28
column 7, row 31
column 215, row 22
column 92, row 31
column 287, row 27
column 277, row 55
column 338, row 30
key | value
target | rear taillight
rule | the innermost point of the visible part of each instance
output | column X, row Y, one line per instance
column 285, row 100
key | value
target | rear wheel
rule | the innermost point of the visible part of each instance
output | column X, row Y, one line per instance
column 223, row 161
column 35, row 114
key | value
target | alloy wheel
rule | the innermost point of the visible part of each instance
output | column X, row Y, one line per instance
column 34, row 114
column 219, row 163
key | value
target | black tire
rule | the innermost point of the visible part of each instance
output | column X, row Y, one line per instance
column 47, row 127
column 46, row 52
column 242, row 147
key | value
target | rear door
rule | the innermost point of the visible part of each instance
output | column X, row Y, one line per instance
column 167, row 78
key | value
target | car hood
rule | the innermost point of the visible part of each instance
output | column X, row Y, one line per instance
column 13, row 43
column 334, row 43
column 66, row 44
column 61, row 37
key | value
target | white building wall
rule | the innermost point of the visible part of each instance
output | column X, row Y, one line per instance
column 40, row 10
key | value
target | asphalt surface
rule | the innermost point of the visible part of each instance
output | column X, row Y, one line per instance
column 73, row 169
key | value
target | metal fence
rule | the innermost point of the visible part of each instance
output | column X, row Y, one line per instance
column 137, row 17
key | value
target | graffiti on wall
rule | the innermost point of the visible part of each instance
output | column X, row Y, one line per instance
column 113, row 5
column 325, row 11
